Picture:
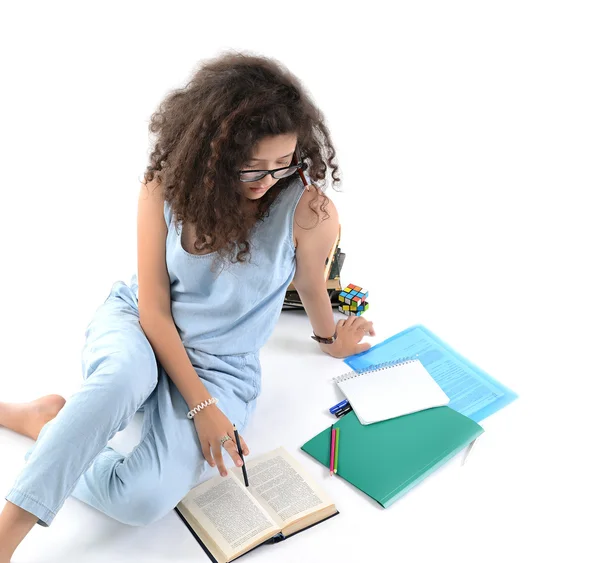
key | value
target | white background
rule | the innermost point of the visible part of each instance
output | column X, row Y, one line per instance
column 468, row 139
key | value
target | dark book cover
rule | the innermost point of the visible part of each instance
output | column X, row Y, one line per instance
column 292, row 300
column 336, row 266
column 275, row 539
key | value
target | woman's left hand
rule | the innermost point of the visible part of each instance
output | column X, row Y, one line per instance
column 350, row 332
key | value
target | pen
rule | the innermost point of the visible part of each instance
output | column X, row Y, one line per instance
column 339, row 406
column 239, row 447
column 332, row 451
column 343, row 411
column 337, row 442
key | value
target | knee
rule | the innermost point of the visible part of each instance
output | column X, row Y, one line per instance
column 129, row 371
column 151, row 494
column 143, row 509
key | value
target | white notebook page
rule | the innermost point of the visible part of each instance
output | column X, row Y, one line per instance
column 392, row 391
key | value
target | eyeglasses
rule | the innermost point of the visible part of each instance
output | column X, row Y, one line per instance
column 277, row 173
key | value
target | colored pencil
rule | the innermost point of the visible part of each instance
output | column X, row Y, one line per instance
column 332, row 452
column 337, row 443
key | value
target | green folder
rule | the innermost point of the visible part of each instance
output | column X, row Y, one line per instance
column 386, row 459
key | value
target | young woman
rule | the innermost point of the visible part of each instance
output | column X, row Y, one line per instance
column 225, row 223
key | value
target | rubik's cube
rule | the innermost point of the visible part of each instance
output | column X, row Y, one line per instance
column 353, row 300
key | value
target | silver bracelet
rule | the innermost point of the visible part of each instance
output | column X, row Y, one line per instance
column 199, row 407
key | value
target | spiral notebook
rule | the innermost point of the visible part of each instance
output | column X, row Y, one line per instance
column 390, row 390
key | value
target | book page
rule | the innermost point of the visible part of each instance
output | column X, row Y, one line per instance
column 228, row 514
column 280, row 485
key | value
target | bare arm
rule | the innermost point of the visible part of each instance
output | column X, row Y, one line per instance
column 154, row 303
column 154, row 300
column 314, row 237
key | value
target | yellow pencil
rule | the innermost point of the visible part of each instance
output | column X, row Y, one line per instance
column 337, row 441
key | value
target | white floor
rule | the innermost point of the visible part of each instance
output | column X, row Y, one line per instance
column 474, row 505
column 467, row 139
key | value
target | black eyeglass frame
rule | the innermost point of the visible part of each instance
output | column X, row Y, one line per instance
column 299, row 167
column 302, row 166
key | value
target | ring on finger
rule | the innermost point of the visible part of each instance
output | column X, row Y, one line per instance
column 224, row 439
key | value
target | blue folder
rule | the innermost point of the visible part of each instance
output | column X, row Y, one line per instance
column 472, row 391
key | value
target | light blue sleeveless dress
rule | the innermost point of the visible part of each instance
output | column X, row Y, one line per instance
column 224, row 318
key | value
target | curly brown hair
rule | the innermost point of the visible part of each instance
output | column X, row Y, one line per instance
column 206, row 131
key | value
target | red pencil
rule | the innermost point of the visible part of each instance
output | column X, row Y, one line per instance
column 295, row 160
column 332, row 454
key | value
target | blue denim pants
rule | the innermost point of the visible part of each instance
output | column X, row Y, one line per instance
column 121, row 376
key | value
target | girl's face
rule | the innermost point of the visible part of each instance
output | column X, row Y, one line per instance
column 269, row 153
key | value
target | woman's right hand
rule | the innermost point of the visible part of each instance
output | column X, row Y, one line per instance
column 350, row 332
column 211, row 425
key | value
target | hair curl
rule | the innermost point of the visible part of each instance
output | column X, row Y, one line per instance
column 206, row 131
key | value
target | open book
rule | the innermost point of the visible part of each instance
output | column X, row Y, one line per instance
column 229, row 519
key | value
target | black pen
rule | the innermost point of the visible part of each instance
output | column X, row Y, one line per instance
column 343, row 411
column 239, row 447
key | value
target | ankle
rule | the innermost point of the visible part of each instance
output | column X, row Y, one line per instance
column 4, row 556
column 15, row 524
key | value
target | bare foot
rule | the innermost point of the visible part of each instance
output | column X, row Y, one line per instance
column 29, row 418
